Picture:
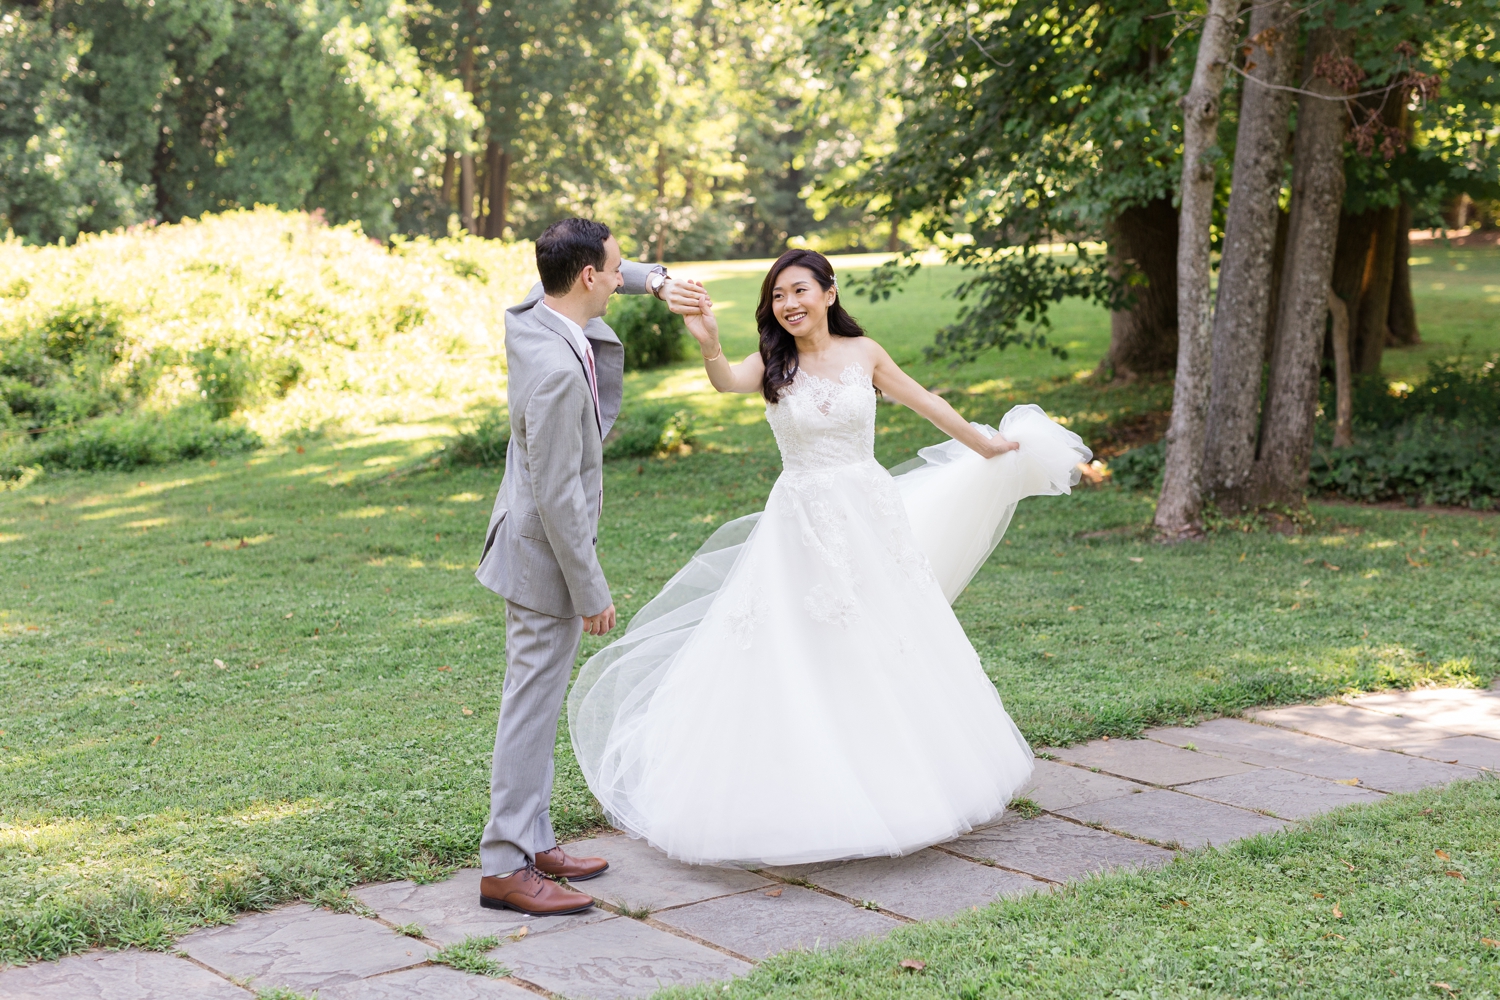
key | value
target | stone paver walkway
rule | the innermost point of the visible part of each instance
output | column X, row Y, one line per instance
column 1106, row 804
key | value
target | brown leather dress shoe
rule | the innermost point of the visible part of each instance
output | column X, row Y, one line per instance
column 530, row 892
column 558, row 864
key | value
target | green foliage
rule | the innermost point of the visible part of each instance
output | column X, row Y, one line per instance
column 270, row 315
column 649, row 431
column 1140, row 468
column 1355, row 903
column 482, row 445
column 1423, row 461
column 653, row 335
column 471, row 955
column 128, row 441
column 118, row 113
column 1451, row 391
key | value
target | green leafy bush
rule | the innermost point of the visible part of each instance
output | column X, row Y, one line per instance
column 482, row 445
column 653, row 335
column 657, row 430
column 1424, row 461
column 1452, row 390
column 1139, row 468
column 60, row 369
column 127, row 441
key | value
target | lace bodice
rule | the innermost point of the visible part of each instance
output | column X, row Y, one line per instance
column 822, row 424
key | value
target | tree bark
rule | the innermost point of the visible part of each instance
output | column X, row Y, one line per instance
column 1143, row 336
column 1243, row 314
column 498, row 172
column 1312, row 232
column 1369, row 329
column 450, row 161
column 1402, row 321
column 466, row 160
column 1180, row 507
column 1343, row 385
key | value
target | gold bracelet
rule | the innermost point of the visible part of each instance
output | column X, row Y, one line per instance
column 716, row 357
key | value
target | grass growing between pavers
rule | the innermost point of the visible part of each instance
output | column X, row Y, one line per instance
column 225, row 685
column 1395, row 899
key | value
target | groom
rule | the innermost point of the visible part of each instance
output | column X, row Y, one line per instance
column 566, row 378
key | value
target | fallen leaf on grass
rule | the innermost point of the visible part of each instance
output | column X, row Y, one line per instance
column 1329, row 565
column 468, row 711
column 289, row 614
column 1349, row 866
column 520, row 933
column 915, row 964
column 1457, row 875
column 1317, row 895
column 1136, row 559
column 1346, row 781
column 1338, row 914
column 1439, row 852
column 1075, row 607
column 220, row 664
column 1309, row 562
column 1490, row 941
column 1445, row 987
column 449, row 669
column 1331, row 934
column 773, row 893
column 153, row 742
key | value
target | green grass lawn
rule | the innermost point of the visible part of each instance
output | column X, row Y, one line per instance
column 229, row 684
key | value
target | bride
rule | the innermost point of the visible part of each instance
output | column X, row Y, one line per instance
column 801, row 691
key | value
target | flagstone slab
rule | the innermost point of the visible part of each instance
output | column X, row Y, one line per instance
column 302, row 948
column 117, row 975
column 614, row 958
column 925, row 885
column 1470, row 751
column 1384, row 770
column 1286, row 794
column 758, row 924
column 1150, row 762
column 641, row 876
column 1055, row 786
column 1248, row 742
column 1356, row 726
column 449, row 911
column 1055, row 849
column 1462, row 710
column 427, row 982
column 1171, row 817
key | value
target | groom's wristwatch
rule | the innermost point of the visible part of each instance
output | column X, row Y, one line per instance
column 656, row 280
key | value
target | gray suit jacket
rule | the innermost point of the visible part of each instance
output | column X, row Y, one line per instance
column 539, row 548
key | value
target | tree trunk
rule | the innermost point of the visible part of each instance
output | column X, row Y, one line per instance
column 466, row 193
column 894, row 242
column 499, row 192
column 1244, row 311
column 1402, row 321
column 1179, row 509
column 450, row 161
column 661, row 202
column 1312, row 232
column 466, row 160
column 1143, row 336
column 1343, row 386
column 1368, row 329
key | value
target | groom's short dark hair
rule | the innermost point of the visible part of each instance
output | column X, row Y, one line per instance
column 566, row 248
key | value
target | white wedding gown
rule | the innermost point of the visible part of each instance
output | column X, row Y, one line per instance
column 801, row 690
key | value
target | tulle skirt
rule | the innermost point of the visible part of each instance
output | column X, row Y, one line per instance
column 801, row 691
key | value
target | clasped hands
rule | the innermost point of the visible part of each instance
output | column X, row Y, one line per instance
column 690, row 300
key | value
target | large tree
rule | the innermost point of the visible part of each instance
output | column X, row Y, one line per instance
column 1024, row 126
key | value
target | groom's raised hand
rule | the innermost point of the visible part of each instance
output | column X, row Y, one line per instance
column 601, row 623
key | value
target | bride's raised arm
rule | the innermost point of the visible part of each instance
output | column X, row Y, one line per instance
column 896, row 384
column 743, row 377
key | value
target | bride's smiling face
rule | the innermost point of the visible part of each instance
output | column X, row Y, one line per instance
column 799, row 303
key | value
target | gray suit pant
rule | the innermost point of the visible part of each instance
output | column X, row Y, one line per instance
column 539, row 652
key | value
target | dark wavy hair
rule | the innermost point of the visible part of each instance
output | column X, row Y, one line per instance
column 778, row 348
